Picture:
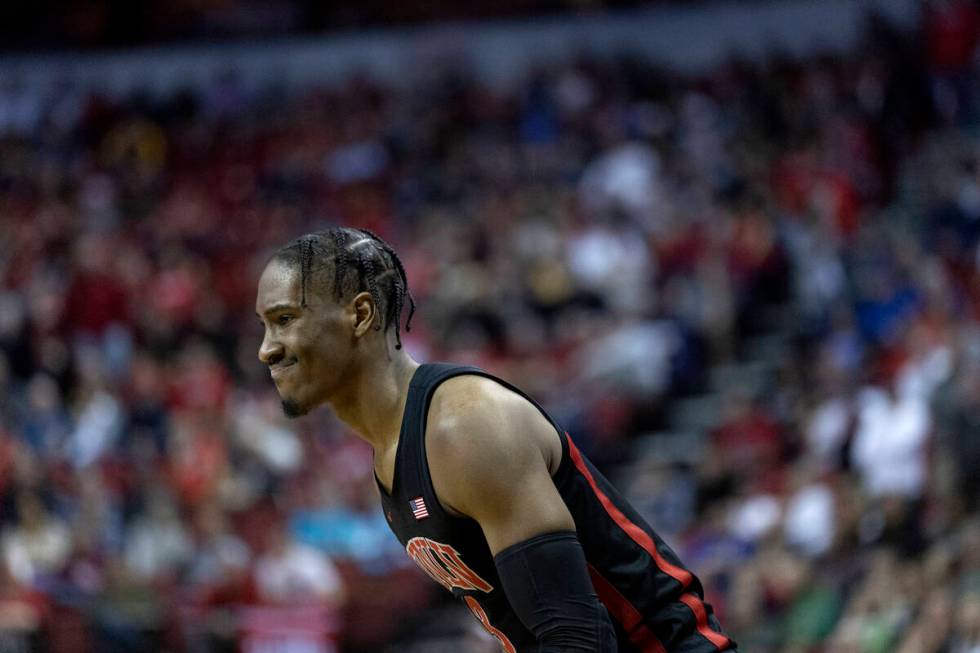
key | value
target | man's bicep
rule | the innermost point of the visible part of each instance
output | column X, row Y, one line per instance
column 498, row 476
column 534, row 507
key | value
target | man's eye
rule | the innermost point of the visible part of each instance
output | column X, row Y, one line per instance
column 284, row 319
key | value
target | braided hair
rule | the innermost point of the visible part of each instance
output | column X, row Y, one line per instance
column 360, row 260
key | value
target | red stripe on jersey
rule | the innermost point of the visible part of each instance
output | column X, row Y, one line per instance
column 626, row 614
column 637, row 534
column 641, row 537
column 697, row 607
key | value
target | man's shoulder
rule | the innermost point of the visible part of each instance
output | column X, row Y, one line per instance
column 474, row 418
column 468, row 395
column 470, row 411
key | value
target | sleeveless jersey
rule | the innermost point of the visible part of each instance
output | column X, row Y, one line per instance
column 655, row 604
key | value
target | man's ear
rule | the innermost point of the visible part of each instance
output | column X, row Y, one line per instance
column 365, row 313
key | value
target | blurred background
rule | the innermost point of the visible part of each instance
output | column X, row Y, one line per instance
column 732, row 246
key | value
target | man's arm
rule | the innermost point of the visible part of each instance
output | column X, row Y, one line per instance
column 489, row 452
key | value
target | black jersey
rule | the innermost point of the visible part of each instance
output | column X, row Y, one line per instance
column 655, row 603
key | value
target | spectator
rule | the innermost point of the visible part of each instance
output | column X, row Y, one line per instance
column 890, row 443
column 23, row 613
column 39, row 545
column 966, row 634
column 157, row 541
column 291, row 573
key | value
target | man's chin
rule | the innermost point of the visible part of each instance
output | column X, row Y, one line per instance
column 293, row 409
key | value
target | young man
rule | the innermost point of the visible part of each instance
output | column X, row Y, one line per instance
column 485, row 491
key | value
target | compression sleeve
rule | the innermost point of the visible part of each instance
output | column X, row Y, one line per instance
column 547, row 583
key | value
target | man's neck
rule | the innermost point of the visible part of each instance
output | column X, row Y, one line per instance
column 375, row 403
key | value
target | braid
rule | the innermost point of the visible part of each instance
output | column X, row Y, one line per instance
column 340, row 262
column 306, row 260
column 370, row 259
column 369, row 268
column 401, row 289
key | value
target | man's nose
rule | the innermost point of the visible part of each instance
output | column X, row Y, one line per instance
column 270, row 352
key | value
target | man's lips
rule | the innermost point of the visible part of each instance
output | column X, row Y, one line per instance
column 279, row 369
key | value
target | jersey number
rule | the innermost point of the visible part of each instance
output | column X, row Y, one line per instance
column 482, row 616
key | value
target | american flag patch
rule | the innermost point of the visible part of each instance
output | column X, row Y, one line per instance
column 418, row 508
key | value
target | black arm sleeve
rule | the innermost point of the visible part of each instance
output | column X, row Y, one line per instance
column 547, row 583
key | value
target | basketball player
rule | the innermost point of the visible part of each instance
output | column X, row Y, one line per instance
column 485, row 491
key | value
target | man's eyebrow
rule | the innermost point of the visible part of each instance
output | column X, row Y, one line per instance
column 278, row 307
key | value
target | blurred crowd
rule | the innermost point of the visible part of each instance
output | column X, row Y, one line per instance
column 751, row 296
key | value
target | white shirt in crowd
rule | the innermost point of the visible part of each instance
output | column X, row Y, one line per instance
column 297, row 573
column 890, row 442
